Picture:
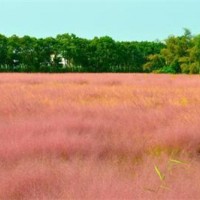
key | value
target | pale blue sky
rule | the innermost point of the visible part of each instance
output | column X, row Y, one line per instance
column 120, row 19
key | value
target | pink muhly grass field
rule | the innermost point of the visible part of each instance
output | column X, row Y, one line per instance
column 99, row 136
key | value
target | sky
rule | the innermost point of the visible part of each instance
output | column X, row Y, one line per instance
column 123, row 20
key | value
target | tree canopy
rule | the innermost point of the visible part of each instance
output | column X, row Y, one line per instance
column 69, row 53
column 181, row 54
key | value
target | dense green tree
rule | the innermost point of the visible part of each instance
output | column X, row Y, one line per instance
column 102, row 54
column 193, row 62
column 155, row 62
column 67, row 47
column 3, row 49
column 28, row 53
column 180, row 55
column 14, row 51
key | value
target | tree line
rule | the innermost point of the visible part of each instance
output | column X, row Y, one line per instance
column 69, row 53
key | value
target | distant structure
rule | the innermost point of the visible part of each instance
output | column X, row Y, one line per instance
column 52, row 57
column 59, row 59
